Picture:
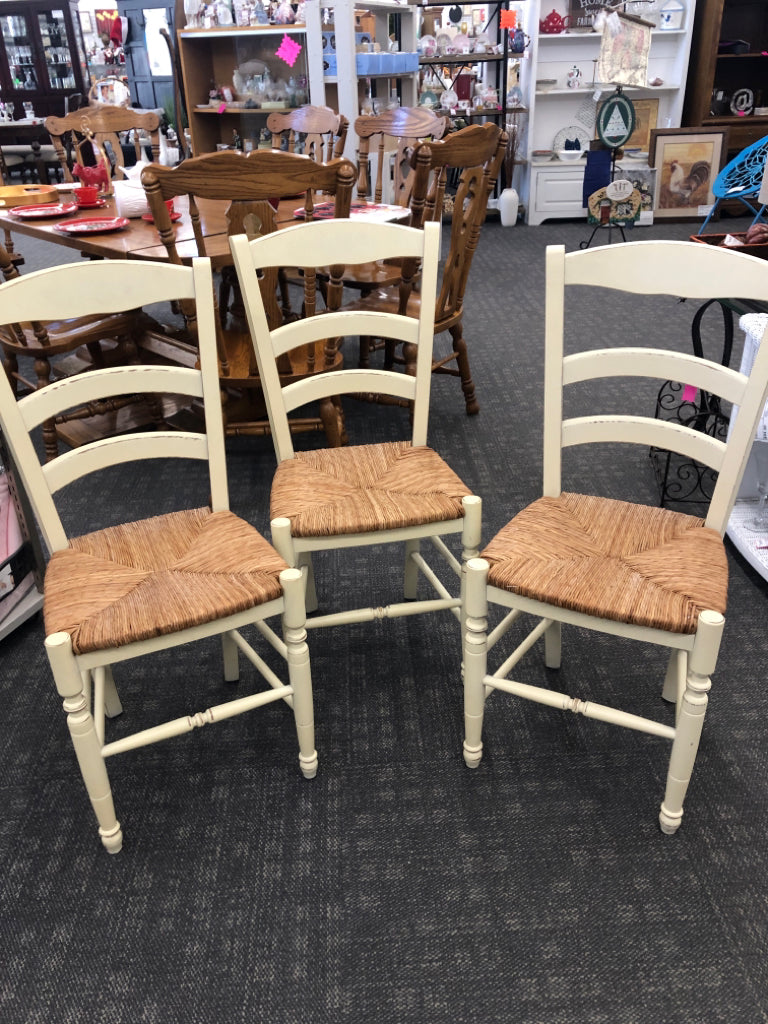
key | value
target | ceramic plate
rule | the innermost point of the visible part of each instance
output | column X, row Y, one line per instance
column 462, row 44
column 92, row 206
column 43, row 210
column 428, row 46
column 442, row 42
column 92, row 225
column 570, row 133
column 148, row 217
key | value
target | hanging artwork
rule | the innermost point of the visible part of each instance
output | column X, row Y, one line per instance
column 108, row 24
column 615, row 120
column 688, row 161
column 581, row 13
column 624, row 49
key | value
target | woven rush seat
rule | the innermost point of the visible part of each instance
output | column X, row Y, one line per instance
column 614, row 559
column 365, row 488
column 156, row 576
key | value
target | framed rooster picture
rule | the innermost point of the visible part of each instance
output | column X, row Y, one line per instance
column 687, row 161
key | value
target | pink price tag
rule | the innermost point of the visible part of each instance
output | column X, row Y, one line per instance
column 689, row 393
column 222, row 108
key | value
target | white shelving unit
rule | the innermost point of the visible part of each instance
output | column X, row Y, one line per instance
column 345, row 90
column 552, row 189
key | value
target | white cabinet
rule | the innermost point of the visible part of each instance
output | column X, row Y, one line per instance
column 337, row 82
column 550, row 190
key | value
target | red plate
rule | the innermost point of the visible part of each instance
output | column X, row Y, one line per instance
column 92, row 225
column 43, row 210
column 148, row 217
column 92, row 206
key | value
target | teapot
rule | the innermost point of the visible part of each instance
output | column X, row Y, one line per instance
column 518, row 40
column 554, row 24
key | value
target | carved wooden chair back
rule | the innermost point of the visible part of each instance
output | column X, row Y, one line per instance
column 324, row 131
column 154, row 584
column 399, row 129
column 248, row 182
column 105, row 123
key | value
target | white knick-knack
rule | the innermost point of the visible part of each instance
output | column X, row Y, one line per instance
column 671, row 15
column 509, row 204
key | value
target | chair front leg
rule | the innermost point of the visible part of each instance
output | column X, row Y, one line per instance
column 84, row 738
column 475, row 649
column 690, row 719
column 297, row 656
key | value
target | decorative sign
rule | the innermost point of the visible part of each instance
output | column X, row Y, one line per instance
column 582, row 13
column 624, row 56
column 288, row 50
column 616, row 120
column 604, row 210
column 619, row 189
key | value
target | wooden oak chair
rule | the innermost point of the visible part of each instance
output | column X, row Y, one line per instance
column 319, row 131
column 618, row 567
column 397, row 491
column 151, row 584
column 40, row 341
column 397, row 130
column 105, row 123
column 321, row 134
column 476, row 152
column 248, row 183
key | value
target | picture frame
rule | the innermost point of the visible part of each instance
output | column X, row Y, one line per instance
column 86, row 23
column 687, row 161
column 646, row 119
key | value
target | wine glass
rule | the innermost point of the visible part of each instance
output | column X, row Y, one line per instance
column 759, row 522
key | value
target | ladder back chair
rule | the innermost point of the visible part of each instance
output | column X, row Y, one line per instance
column 476, row 152
column 619, row 567
column 248, row 182
column 105, row 123
column 104, row 335
column 363, row 495
column 397, row 130
column 318, row 132
column 321, row 134
column 151, row 584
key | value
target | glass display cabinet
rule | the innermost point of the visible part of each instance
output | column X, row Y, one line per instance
column 42, row 56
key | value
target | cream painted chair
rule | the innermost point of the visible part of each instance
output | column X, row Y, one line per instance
column 366, row 494
column 617, row 567
column 157, row 583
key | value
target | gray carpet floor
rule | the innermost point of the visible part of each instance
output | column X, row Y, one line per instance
column 398, row 886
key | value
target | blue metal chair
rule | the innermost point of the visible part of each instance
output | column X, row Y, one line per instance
column 741, row 179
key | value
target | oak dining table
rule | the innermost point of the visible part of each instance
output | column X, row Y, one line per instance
column 139, row 239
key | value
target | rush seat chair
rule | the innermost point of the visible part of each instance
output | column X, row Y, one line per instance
column 152, row 584
column 618, row 567
column 361, row 495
